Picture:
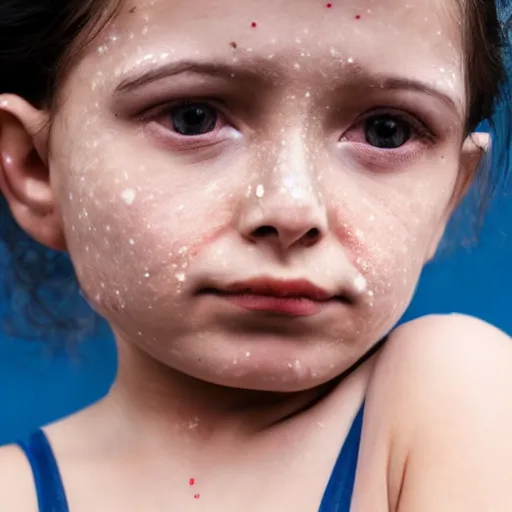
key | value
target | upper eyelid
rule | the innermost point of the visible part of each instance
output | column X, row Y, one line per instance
column 159, row 109
column 419, row 126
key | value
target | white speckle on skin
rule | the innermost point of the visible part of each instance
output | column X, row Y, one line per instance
column 181, row 277
column 260, row 191
column 360, row 284
column 129, row 196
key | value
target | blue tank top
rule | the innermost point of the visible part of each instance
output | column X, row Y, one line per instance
column 51, row 496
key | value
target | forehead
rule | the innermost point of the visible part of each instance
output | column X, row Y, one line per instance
column 209, row 23
column 416, row 40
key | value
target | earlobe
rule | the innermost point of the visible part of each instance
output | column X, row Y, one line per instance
column 24, row 173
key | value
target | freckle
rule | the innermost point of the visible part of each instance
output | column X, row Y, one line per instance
column 233, row 45
column 254, row 24
column 192, row 481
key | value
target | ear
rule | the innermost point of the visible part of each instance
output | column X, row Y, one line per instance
column 474, row 150
column 24, row 173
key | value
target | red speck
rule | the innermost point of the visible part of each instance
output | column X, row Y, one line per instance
column 197, row 496
column 233, row 45
column 329, row 5
column 192, row 481
column 358, row 17
column 254, row 24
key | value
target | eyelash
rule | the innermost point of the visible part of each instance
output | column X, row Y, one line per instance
column 418, row 127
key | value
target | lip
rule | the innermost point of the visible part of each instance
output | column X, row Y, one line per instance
column 286, row 297
column 297, row 289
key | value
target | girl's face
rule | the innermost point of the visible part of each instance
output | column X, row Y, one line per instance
column 211, row 147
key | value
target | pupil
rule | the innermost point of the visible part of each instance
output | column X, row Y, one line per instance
column 193, row 120
column 386, row 132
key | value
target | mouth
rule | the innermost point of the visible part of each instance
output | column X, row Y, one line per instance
column 290, row 298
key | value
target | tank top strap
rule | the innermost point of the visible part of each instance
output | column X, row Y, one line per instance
column 338, row 494
column 51, row 496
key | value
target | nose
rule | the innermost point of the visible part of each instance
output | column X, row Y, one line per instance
column 285, row 210
column 285, row 223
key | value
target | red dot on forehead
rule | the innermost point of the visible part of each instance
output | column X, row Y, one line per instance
column 197, row 496
column 192, row 481
column 358, row 17
column 329, row 5
column 254, row 24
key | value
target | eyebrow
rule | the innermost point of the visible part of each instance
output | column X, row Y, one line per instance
column 407, row 84
column 248, row 71
column 252, row 70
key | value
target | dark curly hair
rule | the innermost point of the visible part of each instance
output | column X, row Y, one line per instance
column 39, row 41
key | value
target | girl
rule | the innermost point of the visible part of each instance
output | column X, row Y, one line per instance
column 248, row 193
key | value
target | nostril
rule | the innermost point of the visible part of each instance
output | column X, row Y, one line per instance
column 313, row 234
column 265, row 231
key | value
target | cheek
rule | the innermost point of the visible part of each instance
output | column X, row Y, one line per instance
column 389, row 231
column 132, row 230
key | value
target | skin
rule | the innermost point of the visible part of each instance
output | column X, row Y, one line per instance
column 150, row 218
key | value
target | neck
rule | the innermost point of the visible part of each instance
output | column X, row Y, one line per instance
column 152, row 397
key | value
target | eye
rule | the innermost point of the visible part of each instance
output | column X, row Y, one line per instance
column 386, row 131
column 193, row 119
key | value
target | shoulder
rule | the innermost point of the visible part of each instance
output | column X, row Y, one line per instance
column 444, row 385
column 17, row 490
column 446, row 355
column 438, row 367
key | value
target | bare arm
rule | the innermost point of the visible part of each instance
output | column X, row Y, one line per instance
column 440, row 420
